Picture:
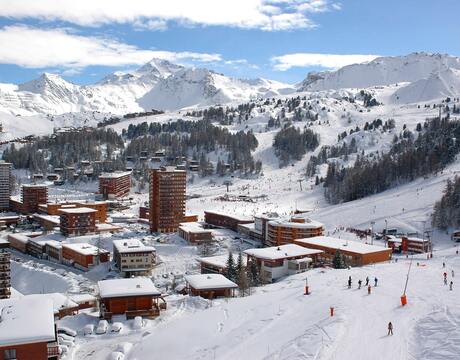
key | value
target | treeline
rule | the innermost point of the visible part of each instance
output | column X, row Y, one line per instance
column 291, row 143
column 199, row 138
column 434, row 148
column 447, row 210
column 67, row 149
column 334, row 151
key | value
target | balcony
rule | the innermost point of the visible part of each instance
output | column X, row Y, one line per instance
column 53, row 350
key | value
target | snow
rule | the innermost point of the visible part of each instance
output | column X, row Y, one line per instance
column 193, row 227
column 341, row 244
column 82, row 210
column 308, row 224
column 220, row 260
column 131, row 246
column 114, row 175
column 84, row 248
column 138, row 286
column 237, row 217
column 82, row 298
column 60, row 301
column 209, row 281
column 281, row 252
column 26, row 320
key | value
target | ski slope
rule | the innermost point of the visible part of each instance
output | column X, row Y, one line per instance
column 280, row 322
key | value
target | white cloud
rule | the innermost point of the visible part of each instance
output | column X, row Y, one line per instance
column 252, row 14
column 40, row 48
column 329, row 61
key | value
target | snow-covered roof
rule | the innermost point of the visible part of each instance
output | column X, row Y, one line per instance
column 35, row 185
column 138, row 286
column 308, row 224
column 114, row 175
column 84, row 248
column 20, row 237
column 415, row 239
column 341, row 244
column 131, row 246
column 82, row 210
column 237, row 217
column 60, row 301
column 193, row 227
column 82, row 298
column 209, row 281
column 281, row 252
column 50, row 218
column 220, row 260
column 26, row 320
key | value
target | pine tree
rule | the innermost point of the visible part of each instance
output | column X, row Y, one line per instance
column 337, row 261
column 253, row 271
column 231, row 268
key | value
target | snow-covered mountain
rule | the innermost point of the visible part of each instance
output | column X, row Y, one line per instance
column 388, row 70
column 157, row 84
column 190, row 87
column 445, row 83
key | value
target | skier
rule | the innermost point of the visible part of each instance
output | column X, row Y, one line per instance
column 450, row 285
column 369, row 290
column 375, row 282
column 349, row 282
column 359, row 283
column 390, row 328
column 452, row 273
column 367, row 280
column 443, row 264
column 445, row 281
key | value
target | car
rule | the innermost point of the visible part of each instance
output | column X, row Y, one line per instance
column 102, row 327
column 66, row 330
column 116, row 327
column 138, row 323
column 88, row 329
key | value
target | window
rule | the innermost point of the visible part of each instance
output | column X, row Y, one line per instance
column 9, row 354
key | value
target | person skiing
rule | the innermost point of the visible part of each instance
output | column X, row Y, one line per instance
column 375, row 282
column 349, row 282
column 359, row 283
column 367, row 280
column 450, row 285
column 369, row 290
column 445, row 281
column 443, row 264
column 453, row 273
column 390, row 328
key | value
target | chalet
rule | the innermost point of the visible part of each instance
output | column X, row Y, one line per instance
column 409, row 244
column 225, row 220
column 83, row 256
column 354, row 253
column 278, row 261
column 194, row 232
column 210, row 286
column 132, row 257
column 217, row 264
column 27, row 329
column 131, row 297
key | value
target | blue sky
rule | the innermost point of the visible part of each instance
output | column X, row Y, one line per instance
column 276, row 39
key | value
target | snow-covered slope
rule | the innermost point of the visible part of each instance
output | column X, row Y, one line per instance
column 439, row 84
column 381, row 71
column 200, row 87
